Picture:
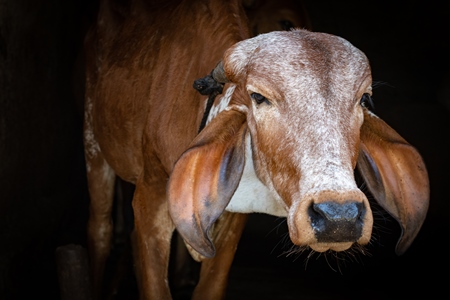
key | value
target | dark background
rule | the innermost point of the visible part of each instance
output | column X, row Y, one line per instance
column 43, row 196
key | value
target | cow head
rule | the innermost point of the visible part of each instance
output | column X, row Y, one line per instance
column 302, row 100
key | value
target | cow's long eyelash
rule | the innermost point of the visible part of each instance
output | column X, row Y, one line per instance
column 367, row 102
column 259, row 98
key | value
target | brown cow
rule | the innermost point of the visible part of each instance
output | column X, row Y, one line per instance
column 283, row 138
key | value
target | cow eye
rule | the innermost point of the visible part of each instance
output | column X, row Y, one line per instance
column 366, row 101
column 259, row 98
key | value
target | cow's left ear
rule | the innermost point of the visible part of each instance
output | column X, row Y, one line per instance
column 396, row 175
column 205, row 178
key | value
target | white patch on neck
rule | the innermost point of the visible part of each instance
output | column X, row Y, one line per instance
column 252, row 196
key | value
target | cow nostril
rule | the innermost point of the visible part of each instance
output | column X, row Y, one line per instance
column 334, row 222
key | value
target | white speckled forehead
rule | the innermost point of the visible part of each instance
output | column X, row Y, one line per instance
column 297, row 52
column 312, row 81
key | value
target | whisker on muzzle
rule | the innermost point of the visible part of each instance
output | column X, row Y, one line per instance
column 353, row 254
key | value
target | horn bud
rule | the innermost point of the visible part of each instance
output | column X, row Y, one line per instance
column 219, row 73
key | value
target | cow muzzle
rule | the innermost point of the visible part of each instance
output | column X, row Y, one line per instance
column 330, row 220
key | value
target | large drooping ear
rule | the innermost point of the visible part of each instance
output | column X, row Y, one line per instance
column 205, row 178
column 396, row 175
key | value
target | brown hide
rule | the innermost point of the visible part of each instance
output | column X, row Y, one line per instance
column 124, row 54
column 141, row 113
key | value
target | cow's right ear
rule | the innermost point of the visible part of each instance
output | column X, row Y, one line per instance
column 205, row 178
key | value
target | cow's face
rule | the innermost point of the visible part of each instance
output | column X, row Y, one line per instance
column 301, row 97
column 304, row 113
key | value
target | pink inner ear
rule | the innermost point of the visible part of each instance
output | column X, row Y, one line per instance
column 205, row 178
column 396, row 175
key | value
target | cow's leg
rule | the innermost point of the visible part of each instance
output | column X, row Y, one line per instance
column 100, row 179
column 151, row 237
column 214, row 272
